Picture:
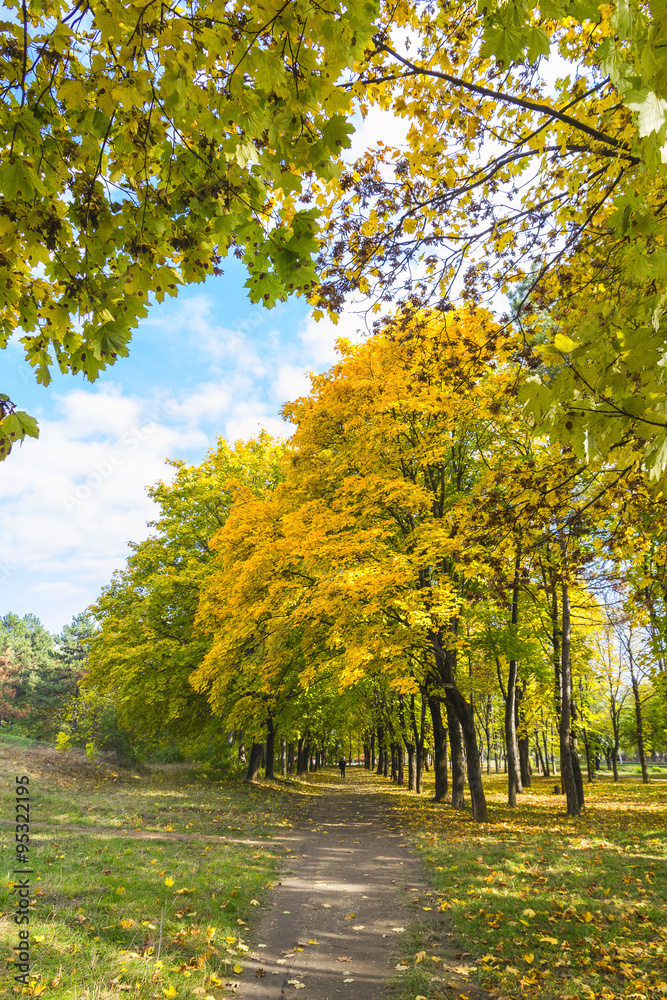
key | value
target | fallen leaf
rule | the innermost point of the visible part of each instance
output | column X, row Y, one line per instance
column 259, row 973
column 237, row 968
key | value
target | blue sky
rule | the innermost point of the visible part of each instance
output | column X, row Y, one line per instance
column 203, row 365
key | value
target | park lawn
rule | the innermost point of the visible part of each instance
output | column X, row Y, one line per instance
column 120, row 907
column 539, row 904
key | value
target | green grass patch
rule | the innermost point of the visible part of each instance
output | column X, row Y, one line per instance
column 119, row 905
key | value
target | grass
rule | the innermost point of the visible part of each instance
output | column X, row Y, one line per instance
column 541, row 904
column 119, row 906
column 530, row 904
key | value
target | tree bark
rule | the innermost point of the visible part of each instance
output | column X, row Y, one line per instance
column 270, row 749
column 283, row 756
column 546, row 754
column 513, row 775
column 456, row 754
column 524, row 761
column 565, row 727
column 640, row 721
column 254, row 762
column 412, row 784
column 290, row 757
column 589, row 762
column 440, row 752
column 473, row 760
column 380, row 766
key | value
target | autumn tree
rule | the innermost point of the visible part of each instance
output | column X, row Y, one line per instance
column 147, row 645
column 505, row 174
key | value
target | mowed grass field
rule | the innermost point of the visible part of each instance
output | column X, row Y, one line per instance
column 145, row 883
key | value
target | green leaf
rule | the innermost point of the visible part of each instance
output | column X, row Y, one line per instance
column 27, row 424
column 650, row 109
column 564, row 344
column 538, row 43
column 506, row 44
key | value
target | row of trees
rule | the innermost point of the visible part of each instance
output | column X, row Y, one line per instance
column 420, row 561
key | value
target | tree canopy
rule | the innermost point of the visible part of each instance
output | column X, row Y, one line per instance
column 142, row 144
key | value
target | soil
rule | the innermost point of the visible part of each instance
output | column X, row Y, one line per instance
column 334, row 925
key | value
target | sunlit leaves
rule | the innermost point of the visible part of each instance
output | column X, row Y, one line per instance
column 141, row 146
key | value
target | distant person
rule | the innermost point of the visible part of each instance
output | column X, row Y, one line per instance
column 341, row 764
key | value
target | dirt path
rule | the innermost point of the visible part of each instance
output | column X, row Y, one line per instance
column 334, row 924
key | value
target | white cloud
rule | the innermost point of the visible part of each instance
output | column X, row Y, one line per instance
column 290, row 383
column 71, row 501
column 378, row 125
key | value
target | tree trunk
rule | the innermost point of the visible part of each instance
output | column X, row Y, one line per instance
column 456, row 754
column 589, row 762
column 524, row 761
column 290, row 757
column 299, row 757
column 270, row 749
column 380, row 766
column 419, row 768
column 410, row 747
column 640, row 724
column 565, row 727
column 254, row 763
column 283, row 756
column 473, row 759
column 513, row 774
column 546, row 754
column 440, row 743
column 400, row 754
